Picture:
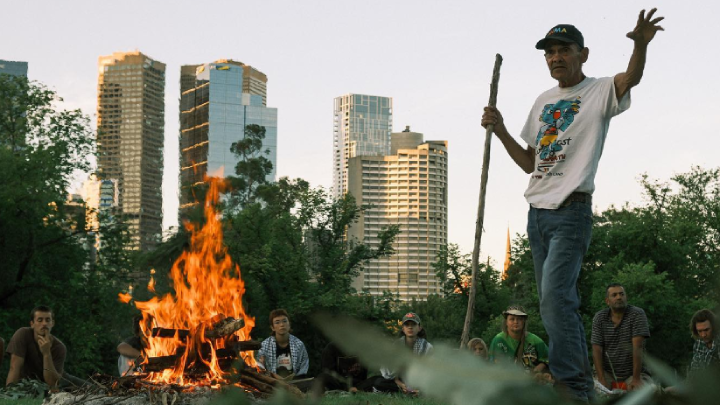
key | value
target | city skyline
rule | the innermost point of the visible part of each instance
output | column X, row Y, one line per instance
column 435, row 60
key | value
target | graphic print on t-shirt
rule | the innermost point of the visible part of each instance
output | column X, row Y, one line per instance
column 557, row 118
column 284, row 361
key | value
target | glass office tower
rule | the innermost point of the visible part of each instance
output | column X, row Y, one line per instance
column 362, row 127
column 226, row 98
column 13, row 68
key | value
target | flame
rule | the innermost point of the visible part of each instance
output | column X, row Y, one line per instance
column 208, row 287
column 151, row 284
column 124, row 298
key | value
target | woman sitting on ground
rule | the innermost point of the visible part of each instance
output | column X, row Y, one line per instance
column 478, row 347
column 412, row 337
column 515, row 344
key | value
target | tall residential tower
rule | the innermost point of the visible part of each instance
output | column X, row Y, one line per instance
column 130, row 124
column 408, row 188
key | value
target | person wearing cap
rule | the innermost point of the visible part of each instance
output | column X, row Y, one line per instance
column 412, row 337
column 565, row 133
column 517, row 345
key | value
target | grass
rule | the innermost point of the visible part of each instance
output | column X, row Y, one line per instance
column 376, row 399
column 329, row 399
column 23, row 401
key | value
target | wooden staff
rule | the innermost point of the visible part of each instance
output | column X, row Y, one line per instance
column 481, row 205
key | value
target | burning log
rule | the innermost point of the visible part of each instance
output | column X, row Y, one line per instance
column 230, row 354
column 247, row 345
column 170, row 333
column 161, row 363
column 226, row 327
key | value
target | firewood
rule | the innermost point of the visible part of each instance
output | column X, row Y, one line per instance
column 225, row 327
column 161, row 362
column 169, row 333
column 274, row 382
column 247, row 345
column 259, row 385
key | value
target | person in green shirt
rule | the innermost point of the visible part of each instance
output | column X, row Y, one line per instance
column 517, row 345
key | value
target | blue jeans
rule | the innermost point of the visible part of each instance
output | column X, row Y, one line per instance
column 559, row 239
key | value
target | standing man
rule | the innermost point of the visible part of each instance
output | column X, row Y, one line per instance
column 706, row 353
column 565, row 133
column 618, row 341
column 34, row 352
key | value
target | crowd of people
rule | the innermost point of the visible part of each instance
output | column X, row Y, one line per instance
column 618, row 338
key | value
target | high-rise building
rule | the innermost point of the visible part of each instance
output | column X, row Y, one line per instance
column 131, row 124
column 13, row 68
column 362, row 127
column 217, row 102
column 408, row 188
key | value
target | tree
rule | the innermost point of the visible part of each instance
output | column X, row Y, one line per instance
column 44, row 240
column 446, row 316
column 253, row 168
column 40, row 149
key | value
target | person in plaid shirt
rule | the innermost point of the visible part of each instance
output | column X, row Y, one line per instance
column 703, row 327
column 282, row 354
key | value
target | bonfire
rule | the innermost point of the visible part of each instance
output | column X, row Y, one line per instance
column 200, row 335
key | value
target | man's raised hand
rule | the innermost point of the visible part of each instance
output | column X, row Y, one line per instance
column 646, row 27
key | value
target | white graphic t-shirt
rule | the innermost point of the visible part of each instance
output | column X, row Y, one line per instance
column 567, row 127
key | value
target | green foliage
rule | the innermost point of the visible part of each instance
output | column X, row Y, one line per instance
column 444, row 317
column 43, row 240
column 253, row 168
column 40, row 148
column 24, row 389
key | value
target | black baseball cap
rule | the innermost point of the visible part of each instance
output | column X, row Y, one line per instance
column 565, row 33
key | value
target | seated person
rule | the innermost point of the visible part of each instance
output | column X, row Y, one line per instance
column 131, row 349
column 519, row 346
column 341, row 372
column 706, row 351
column 618, row 342
column 412, row 337
column 34, row 352
column 282, row 354
column 478, row 347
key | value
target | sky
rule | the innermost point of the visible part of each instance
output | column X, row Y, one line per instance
column 434, row 58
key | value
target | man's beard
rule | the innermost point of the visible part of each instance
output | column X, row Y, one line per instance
column 619, row 305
